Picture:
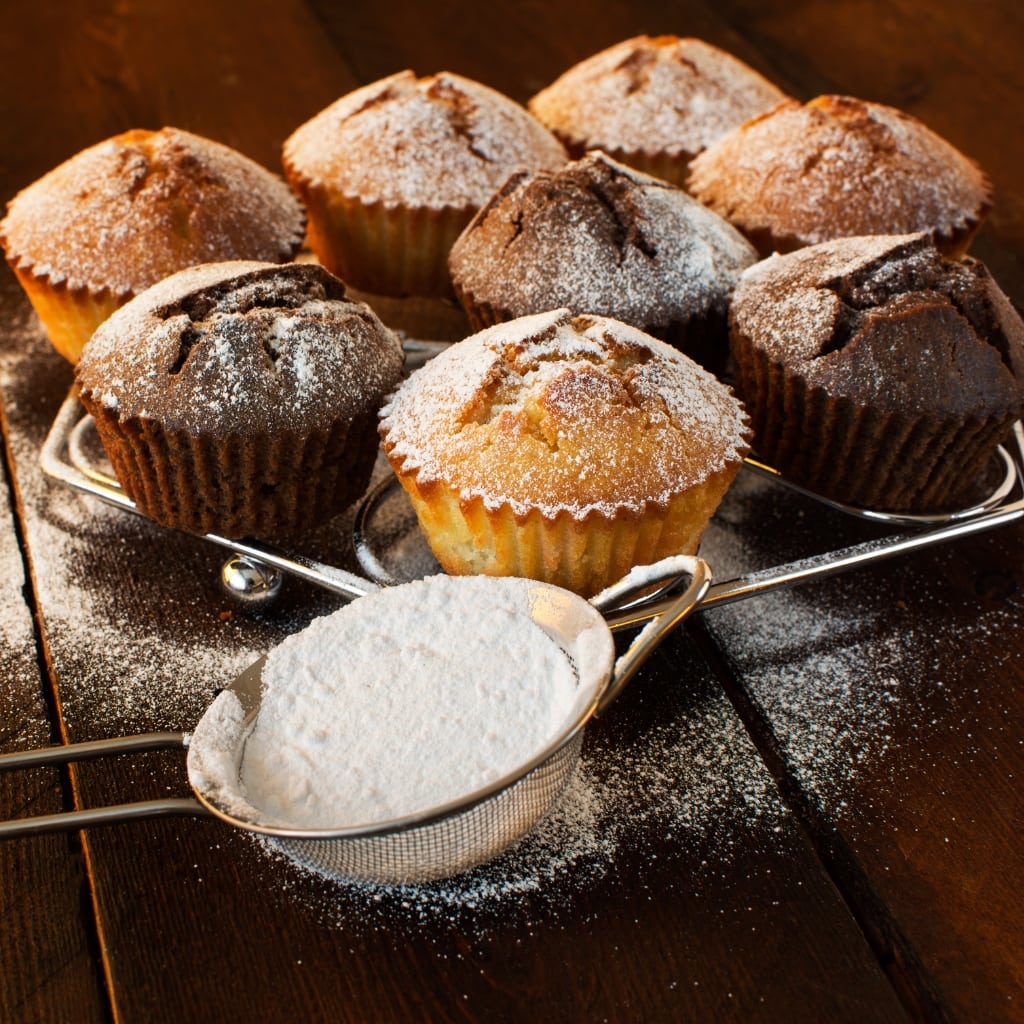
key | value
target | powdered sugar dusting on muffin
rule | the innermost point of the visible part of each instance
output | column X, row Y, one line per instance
column 837, row 167
column 248, row 345
column 878, row 372
column 649, row 94
column 565, row 414
column 599, row 238
column 123, row 214
column 806, row 307
column 439, row 141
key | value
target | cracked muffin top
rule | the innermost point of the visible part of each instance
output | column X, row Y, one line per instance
column 600, row 238
column 241, row 348
column 652, row 97
column 125, row 213
column 889, row 322
column 565, row 414
column 839, row 167
column 438, row 141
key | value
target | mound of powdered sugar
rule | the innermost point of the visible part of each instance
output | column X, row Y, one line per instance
column 395, row 705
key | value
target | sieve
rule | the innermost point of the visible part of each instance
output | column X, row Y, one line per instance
column 438, row 842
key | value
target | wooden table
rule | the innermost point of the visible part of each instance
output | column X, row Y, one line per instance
column 808, row 806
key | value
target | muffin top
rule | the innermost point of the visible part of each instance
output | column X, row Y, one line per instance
column 837, row 167
column 599, row 237
column 432, row 142
column 653, row 94
column 125, row 213
column 242, row 348
column 563, row 414
column 887, row 320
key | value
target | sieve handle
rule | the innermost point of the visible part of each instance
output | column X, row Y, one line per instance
column 657, row 629
column 69, row 820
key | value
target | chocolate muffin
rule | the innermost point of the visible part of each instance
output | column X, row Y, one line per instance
column 241, row 398
column 876, row 371
column 601, row 238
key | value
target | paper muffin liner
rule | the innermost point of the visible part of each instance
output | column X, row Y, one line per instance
column 957, row 242
column 382, row 248
column 260, row 486
column 469, row 537
column 423, row 317
column 68, row 315
column 856, row 455
column 670, row 167
column 953, row 244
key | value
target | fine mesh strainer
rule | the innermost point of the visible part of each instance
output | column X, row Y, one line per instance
column 438, row 842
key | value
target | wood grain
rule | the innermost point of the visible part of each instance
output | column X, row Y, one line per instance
column 856, row 856
column 47, row 954
column 916, row 818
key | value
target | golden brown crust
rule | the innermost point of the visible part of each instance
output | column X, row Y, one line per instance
column 123, row 214
column 562, row 447
column 840, row 167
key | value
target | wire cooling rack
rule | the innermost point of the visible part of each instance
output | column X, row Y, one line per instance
column 72, row 456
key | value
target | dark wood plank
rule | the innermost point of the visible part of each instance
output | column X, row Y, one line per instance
column 48, row 953
column 111, row 67
column 517, row 51
column 890, row 704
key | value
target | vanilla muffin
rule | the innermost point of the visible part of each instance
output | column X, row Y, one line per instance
column 838, row 167
column 562, row 448
column 878, row 372
column 127, row 212
column 653, row 102
column 599, row 237
column 241, row 398
column 392, row 172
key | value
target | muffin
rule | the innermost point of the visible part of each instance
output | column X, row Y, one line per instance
column 838, row 167
column 878, row 372
column 392, row 172
column 127, row 212
column 653, row 102
column 562, row 448
column 241, row 398
column 599, row 237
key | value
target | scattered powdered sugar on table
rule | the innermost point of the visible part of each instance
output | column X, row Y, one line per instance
column 115, row 669
column 831, row 698
column 667, row 762
column 670, row 762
